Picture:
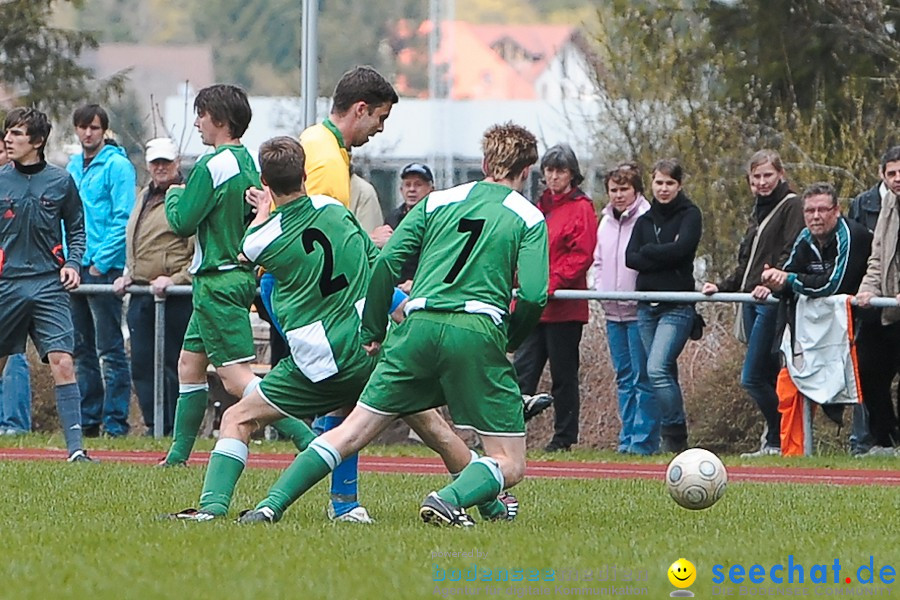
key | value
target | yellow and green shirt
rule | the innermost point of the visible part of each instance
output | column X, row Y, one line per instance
column 327, row 162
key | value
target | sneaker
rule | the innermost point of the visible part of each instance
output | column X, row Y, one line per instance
column 358, row 514
column 437, row 511
column 512, row 507
column 535, row 405
column 192, row 514
column 764, row 451
column 554, row 447
column 80, row 456
column 257, row 515
column 877, row 451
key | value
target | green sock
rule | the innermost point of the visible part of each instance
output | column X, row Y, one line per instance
column 295, row 430
column 189, row 413
column 492, row 509
column 310, row 467
column 226, row 463
column 477, row 484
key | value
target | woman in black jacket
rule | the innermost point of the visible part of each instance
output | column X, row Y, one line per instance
column 662, row 249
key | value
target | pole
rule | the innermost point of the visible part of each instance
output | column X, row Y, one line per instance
column 159, row 349
column 309, row 73
column 807, row 427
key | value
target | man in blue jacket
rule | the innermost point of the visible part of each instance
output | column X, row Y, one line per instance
column 106, row 184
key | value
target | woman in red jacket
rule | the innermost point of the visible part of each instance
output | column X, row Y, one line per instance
column 572, row 233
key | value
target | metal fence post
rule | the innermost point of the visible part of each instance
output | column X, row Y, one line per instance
column 159, row 349
column 807, row 427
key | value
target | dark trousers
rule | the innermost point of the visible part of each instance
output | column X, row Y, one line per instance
column 558, row 343
column 141, row 319
column 878, row 353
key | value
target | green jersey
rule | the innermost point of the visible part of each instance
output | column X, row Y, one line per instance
column 473, row 241
column 321, row 259
column 211, row 206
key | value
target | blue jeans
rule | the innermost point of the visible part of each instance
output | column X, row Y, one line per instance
column 98, row 340
column 665, row 329
column 15, row 395
column 761, row 366
column 637, row 405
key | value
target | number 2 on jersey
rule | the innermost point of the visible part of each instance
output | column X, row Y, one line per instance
column 327, row 284
column 473, row 227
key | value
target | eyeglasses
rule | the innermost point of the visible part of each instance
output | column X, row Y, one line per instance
column 818, row 210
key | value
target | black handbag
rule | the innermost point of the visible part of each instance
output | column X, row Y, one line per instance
column 697, row 326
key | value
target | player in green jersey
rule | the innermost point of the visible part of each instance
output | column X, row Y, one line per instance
column 211, row 207
column 473, row 240
column 321, row 258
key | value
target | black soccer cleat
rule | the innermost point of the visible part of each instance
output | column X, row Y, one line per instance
column 80, row 456
column 257, row 515
column 437, row 511
column 535, row 405
column 512, row 507
column 192, row 514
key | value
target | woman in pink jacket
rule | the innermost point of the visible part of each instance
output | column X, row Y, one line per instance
column 637, row 407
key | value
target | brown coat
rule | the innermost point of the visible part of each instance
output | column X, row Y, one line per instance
column 152, row 249
column 883, row 274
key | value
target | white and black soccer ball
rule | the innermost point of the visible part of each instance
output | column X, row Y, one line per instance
column 696, row 479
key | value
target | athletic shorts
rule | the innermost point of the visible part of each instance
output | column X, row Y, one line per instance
column 292, row 393
column 36, row 306
column 220, row 324
column 457, row 359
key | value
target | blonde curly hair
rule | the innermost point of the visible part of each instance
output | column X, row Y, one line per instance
column 508, row 148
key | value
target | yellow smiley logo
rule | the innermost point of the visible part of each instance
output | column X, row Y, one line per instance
column 682, row 573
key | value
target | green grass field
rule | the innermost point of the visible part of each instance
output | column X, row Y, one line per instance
column 92, row 531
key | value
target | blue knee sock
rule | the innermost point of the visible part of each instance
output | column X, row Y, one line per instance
column 344, row 485
column 68, row 405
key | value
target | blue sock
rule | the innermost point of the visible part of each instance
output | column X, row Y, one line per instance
column 68, row 405
column 344, row 484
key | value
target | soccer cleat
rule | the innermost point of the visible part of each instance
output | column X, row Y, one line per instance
column 536, row 404
column 437, row 511
column 192, row 514
column 80, row 456
column 165, row 464
column 512, row 507
column 257, row 515
column 764, row 451
column 359, row 514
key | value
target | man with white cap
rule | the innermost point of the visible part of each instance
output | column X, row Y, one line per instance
column 155, row 256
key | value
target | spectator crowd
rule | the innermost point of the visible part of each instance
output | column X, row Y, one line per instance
column 94, row 225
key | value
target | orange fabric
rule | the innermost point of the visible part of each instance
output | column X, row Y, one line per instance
column 790, row 405
column 851, row 335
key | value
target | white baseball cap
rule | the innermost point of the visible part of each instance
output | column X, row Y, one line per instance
column 161, row 148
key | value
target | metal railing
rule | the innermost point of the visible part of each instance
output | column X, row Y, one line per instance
column 185, row 290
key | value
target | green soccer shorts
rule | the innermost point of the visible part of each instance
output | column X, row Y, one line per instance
column 457, row 359
column 220, row 324
column 292, row 393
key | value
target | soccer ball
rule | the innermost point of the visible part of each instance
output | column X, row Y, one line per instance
column 696, row 478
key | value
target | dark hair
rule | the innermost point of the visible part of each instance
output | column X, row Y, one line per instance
column 625, row 173
column 281, row 165
column 670, row 167
column 36, row 123
column 561, row 156
column 227, row 104
column 84, row 116
column 362, row 84
column 508, row 149
column 892, row 155
column 819, row 188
